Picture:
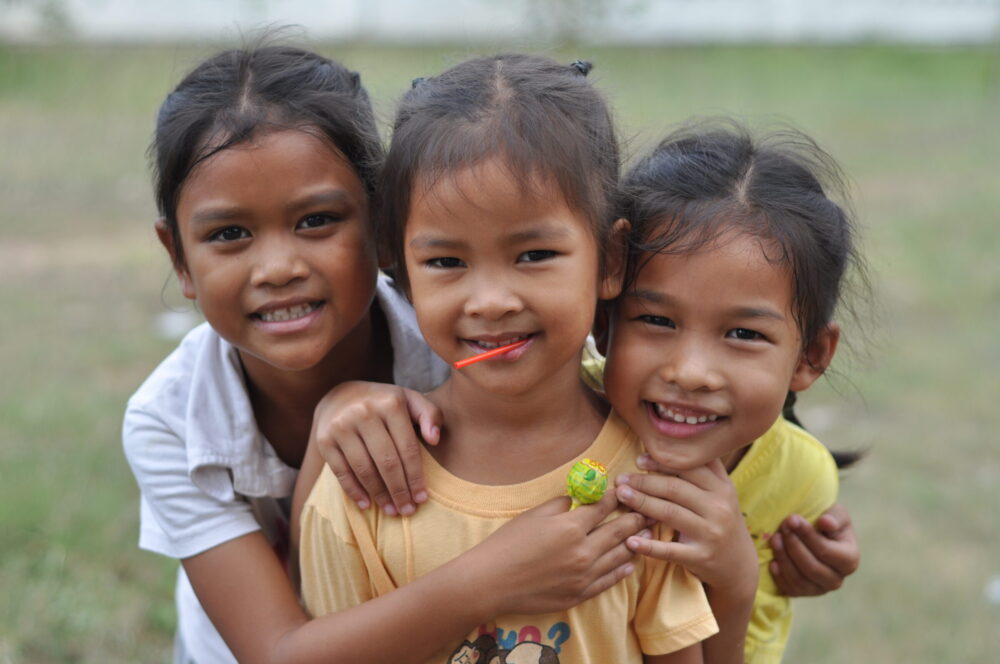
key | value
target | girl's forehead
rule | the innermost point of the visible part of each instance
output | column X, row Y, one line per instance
column 733, row 266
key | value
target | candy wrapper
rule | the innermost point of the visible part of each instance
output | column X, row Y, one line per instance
column 586, row 482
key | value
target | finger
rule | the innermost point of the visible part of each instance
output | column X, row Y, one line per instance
column 384, row 452
column 813, row 570
column 348, row 482
column 705, row 477
column 673, row 552
column 834, row 519
column 663, row 500
column 838, row 551
column 609, row 535
column 589, row 516
column 408, row 450
column 608, row 580
column 426, row 414
column 786, row 576
column 357, row 449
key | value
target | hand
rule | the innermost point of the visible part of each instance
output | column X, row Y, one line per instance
column 549, row 558
column 365, row 433
column 814, row 560
column 701, row 506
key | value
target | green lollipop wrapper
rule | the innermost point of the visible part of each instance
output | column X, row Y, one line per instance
column 586, row 482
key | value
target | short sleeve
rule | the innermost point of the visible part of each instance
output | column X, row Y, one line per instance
column 177, row 518
column 334, row 576
column 672, row 610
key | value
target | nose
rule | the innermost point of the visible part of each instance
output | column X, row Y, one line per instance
column 492, row 297
column 277, row 262
column 693, row 365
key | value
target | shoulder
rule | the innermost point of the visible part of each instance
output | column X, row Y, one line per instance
column 172, row 377
column 786, row 470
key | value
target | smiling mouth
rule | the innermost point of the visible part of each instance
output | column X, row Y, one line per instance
column 490, row 345
column 286, row 314
column 665, row 413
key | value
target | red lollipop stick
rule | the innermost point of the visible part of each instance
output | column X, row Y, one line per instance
column 461, row 364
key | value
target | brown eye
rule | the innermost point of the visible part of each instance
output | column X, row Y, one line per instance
column 229, row 234
column 743, row 334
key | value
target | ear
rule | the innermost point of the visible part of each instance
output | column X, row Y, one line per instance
column 816, row 358
column 176, row 258
column 615, row 261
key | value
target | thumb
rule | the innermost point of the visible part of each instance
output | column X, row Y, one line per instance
column 425, row 414
column 556, row 505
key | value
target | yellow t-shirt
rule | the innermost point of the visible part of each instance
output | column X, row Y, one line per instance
column 785, row 471
column 349, row 556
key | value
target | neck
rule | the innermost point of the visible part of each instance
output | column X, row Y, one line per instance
column 523, row 435
column 283, row 401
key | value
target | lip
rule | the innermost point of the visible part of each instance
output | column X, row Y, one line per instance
column 673, row 429
column 501, row 339
column 287, row 326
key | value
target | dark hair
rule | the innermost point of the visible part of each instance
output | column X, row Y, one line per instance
column 231, row 96
column 707, row 179
column 540, row 117
column 710, row 178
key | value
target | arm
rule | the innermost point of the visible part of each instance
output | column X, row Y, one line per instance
column 712, row 542
column 689, row 655
column 812, row 560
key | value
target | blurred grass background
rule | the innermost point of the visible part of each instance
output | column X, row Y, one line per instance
column 82, row 281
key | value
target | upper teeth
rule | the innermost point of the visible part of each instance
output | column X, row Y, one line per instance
column 669, row 414
column 506, row 342
column 289, row 313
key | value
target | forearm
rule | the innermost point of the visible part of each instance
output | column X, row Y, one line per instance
column 406, row 625
column 246, row 593
column 732, row 613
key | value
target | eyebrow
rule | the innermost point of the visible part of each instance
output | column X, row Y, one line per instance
column 657, row 297
column 531, row 235
column 329, row 197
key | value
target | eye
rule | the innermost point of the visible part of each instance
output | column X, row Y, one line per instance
column 229, row 234
column 658, row 321
column 445, row 262
column 535, row 255
column 317, row 221
column 743, row 334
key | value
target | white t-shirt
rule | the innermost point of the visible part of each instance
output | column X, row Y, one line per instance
column 206, row 473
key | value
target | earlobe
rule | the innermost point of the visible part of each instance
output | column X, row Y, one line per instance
column 166, row 238
column 615, row 261
column 816, row 358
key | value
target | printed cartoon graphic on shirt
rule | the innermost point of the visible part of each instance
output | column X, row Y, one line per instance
column 525, row 646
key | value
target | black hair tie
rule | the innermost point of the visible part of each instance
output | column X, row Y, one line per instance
column 582, row 67
column 417, row 81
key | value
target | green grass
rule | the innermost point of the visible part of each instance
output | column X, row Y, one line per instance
column 81, row 280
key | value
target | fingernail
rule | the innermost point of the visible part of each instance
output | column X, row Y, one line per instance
column 622, row 479
column 408, row 509
column 796, row 521
column 625, row 492
column 389, row 509
column 435, row 433
column 629, row 568
column 776, row 541
column 644, row 461
column 363, row 504
column 645, row 534
column 421, row 497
